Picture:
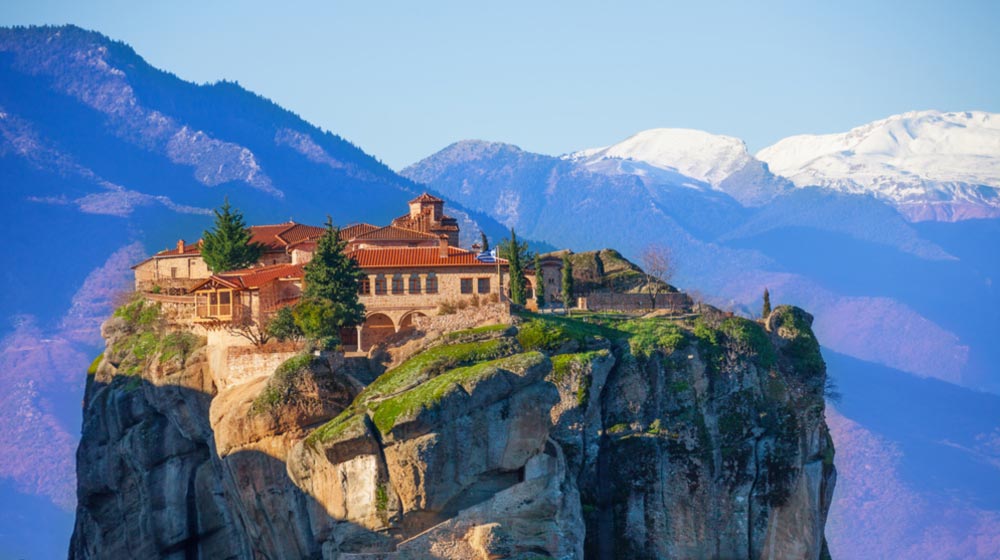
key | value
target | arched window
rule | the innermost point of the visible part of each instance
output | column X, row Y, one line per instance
column 380, row 285
column 397, row 283
column 414, row 283
column 431, row 285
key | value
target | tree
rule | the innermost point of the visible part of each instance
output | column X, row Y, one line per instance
column 484, row 241
column 539, row 283
column 282, row 325
column 227, row 245
column 331, row 289
column 516, row 253
column 657, row 266
column 766, row 310
column 318, row 319
column 251, row 329
column 567, row 282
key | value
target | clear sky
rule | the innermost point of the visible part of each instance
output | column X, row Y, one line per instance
column 404, row 79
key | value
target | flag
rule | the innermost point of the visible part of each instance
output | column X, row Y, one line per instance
column 488, row 257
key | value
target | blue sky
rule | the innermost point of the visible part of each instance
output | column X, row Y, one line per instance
column 404, row 79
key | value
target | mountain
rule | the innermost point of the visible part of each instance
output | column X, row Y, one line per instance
column 676, row 156
column 930, row 165
column 104, row 160
column 899, row 305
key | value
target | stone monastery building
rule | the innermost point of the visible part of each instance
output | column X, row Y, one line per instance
column 410, row 267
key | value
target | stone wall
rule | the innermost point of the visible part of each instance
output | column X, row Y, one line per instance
column 245, row 363
column 600, row 301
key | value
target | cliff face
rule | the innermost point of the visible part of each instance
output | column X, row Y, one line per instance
column 550, row 438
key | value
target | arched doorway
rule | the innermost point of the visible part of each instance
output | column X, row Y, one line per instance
column 377, row 327
column 406, row 323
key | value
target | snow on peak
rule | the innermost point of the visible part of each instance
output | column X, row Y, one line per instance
column 709, row 158
column 902, row 156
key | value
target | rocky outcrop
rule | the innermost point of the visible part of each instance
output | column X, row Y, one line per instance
column 552, row 438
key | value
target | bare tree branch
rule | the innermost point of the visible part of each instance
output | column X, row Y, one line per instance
column 658, row 266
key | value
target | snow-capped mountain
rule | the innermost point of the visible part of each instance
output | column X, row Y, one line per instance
column 686, row 157
column 709, row 158
column 931, row 165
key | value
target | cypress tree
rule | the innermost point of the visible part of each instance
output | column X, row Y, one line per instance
column 567, row 281
column 484, row 241
column 227, row 245
column 513, row 254
column 767, row 305
column 539, row 283
column 331, row 277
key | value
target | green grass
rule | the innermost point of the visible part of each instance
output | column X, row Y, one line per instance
column 619, row 428
column 348, row 420
column 178, row 344
column 564, row 364
column 381, row 498
column 802, row 349
column 427, row 395
column 753, row 335
column 477, row 331
column 547, row 332
column 139, row 313
column 433, row 361
column 651, row 335
column 92, row 369
column 391, row 391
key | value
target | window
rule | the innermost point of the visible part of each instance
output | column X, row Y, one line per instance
column 380, row 285
column 365, row 286
column 397, row 284
column 431, row 285
column 414, row 283
column 483, row 285
column 173, row 272
column 225, row 304
column 466, row 285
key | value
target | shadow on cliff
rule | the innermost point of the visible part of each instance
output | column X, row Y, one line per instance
column 150, row 484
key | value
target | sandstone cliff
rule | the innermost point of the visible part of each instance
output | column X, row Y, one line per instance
column 545, row 438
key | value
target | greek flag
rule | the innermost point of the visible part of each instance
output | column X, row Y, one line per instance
column 488, row 257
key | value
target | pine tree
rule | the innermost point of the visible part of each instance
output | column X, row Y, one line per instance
column 567, row 281
column 767, row 305
column 227, row 245
column 331, row 285
column 539, row 283
column 485, row 242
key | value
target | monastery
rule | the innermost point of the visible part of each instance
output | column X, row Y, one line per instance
column 410, row 268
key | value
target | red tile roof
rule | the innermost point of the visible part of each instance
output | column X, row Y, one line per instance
column 300, row 232
column 354, row 230
column 396, row 233
column 192, row 249
column 277, row 237
column 426, row 198
column 416, row 257
column 250, row 278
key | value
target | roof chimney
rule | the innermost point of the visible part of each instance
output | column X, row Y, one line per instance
column 443, row 245
column 180, row 246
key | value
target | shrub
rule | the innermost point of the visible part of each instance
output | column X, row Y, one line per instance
column 316, row 318
column 282, row 385
column 178, row 344
column 282, row 325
